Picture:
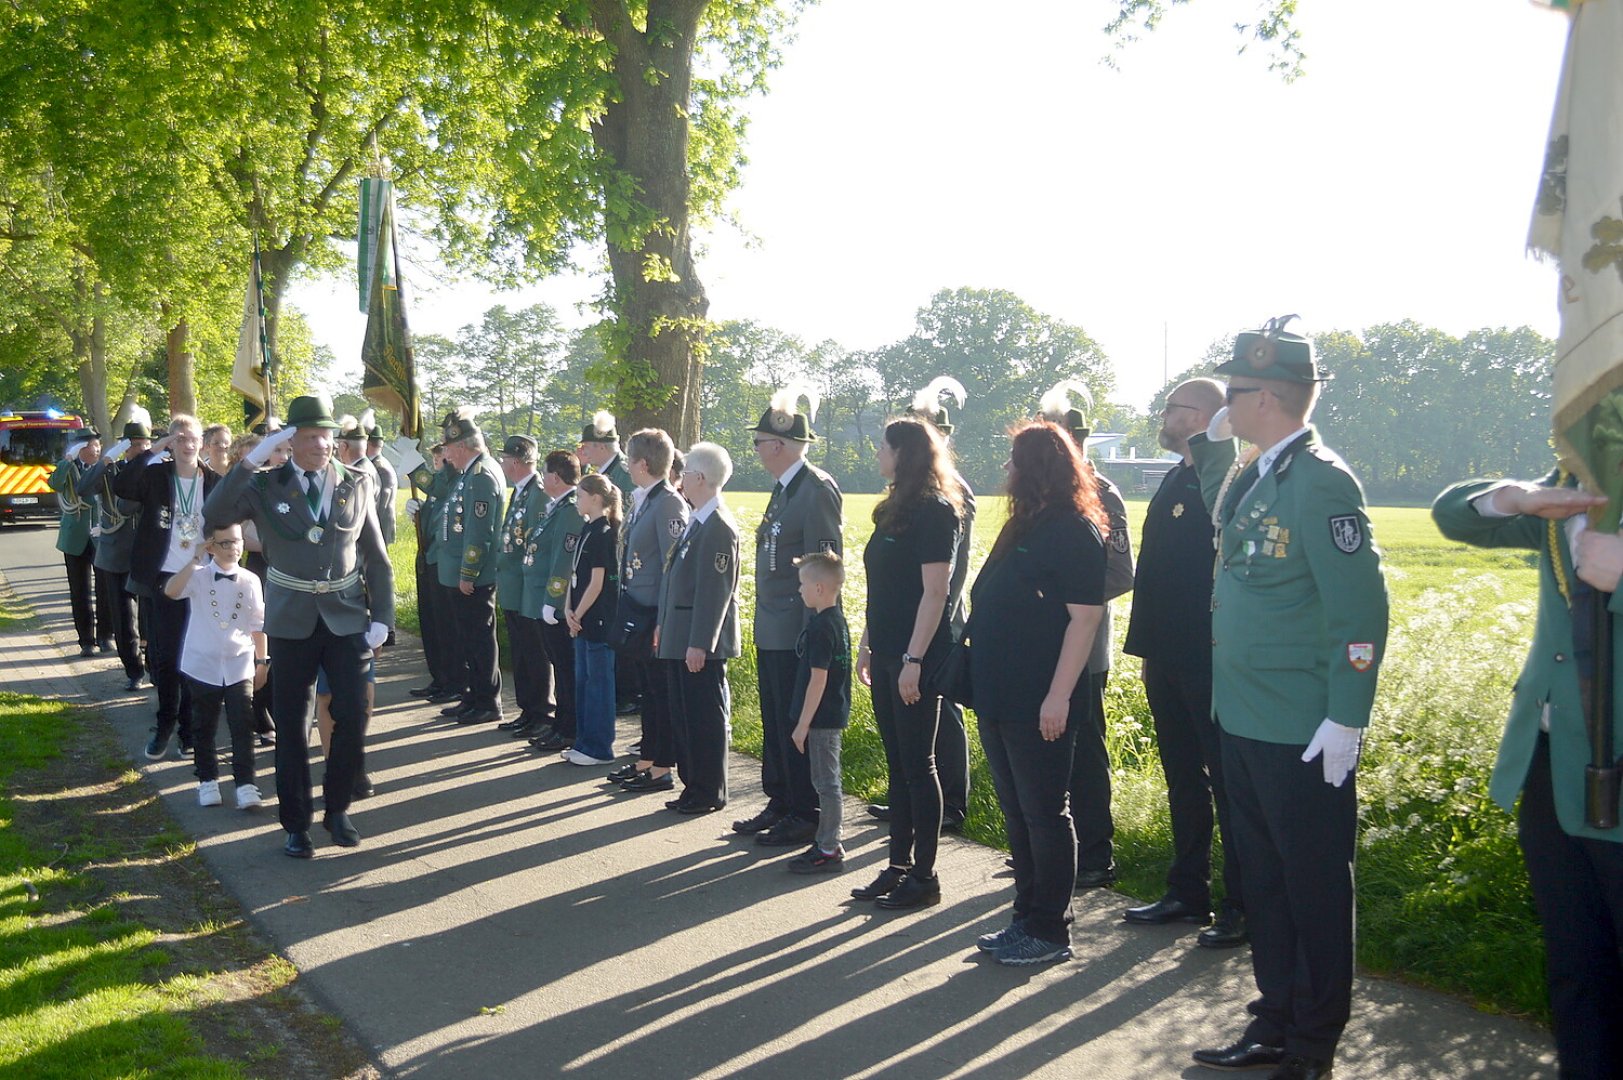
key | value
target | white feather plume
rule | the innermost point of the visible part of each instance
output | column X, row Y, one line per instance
column 369, row 420
column 139, row 415
column 928, row 400
column 346, row 423
column 786, row 398
column 602, row 421
column 1054, row 404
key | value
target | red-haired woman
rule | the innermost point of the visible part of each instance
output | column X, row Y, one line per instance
column 1042, row 589
column 909, row 564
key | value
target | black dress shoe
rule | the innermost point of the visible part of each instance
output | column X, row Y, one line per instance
column 104, row 645
column 363, row 787
column 912, row 893
column 790, row 831
column 649, row 782
column 953, row 823
column 442, row 695
column 526, row 729
column 879, row 810
column 1227, row 932
column 550, row 739
column 343, row 832
column 699, row 806
column 1098, row 879
column 461, row 708
column 883, row 885
column 676, row 803
column 480, row 716
column 759, row 823
column 1242, row 1056
column 133, row 683
column 625, row 772
column 425, row 691
column 1165, row 910
column 87, row 650
column 1296, row 1067
column 521, row 720
column 299, row 846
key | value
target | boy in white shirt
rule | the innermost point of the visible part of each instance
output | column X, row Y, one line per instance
column 224, row 658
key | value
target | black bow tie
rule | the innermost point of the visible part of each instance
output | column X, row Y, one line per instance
column 228, row 577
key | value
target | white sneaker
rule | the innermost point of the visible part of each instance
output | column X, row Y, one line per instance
column 208, row 793
column 248, row 797
column 575, row 757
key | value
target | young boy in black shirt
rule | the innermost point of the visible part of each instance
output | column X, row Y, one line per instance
column 822, row 701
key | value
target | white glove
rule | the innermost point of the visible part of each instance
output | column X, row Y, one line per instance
column 95, row 531
column 262, row 453
column 549, row 614
column 412, row 506
column 158, row 458
column 1219, row 430
column 117, row 450
column 1339, row 745
column 73, row 450
column 376, row 635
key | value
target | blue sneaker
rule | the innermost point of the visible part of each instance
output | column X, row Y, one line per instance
column 1020, row 949
column 991, row 943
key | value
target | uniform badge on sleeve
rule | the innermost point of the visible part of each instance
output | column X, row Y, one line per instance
column 1347, row 533
column 1361, row 655
column 571, row 541
column 1118, row 539
column 723, row 561
column 675, row 527
column 826, row 546
column 481, row 509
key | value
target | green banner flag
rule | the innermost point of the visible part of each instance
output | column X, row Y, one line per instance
column 390, row 381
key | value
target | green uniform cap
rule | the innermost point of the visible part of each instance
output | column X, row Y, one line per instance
column 1271, row 353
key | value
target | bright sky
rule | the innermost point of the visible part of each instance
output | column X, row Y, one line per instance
column 914, row 145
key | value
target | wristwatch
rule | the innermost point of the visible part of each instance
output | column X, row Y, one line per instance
column 909, row 658
column 262, row 663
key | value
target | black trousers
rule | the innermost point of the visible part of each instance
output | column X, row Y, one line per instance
column 1090, row 783
column 433, row 622
column 82, row 594
column 699, row 714
column 952, row 761
column 1032, row 777
column 1578, row 890
column 908, row 732
column 532, row 675
column 785, row 771
column 658, row 724
column 475, row 619
column 237, row 700
column 120, row 622
column 1180, row 699
column 450, row 638
column 1295, row 835
column 295, row 661
column 168, row 630
column 561, row 658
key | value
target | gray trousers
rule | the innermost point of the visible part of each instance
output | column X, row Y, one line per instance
column 823, row 752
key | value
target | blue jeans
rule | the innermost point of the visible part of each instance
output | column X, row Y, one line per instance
column 594, row 698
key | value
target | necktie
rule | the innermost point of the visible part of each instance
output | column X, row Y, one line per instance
column 312, row 494
column 228, row 577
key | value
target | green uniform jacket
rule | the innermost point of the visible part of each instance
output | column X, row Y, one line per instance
column 470, row 525
column 1299, row 609
column 524, row 514
column 433, row 509
column 1549, row 675
column 73, row 532
column 620, row 476
column 549, row 557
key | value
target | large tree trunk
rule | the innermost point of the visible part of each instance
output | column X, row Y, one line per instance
column 660, row 300
column 182, row 373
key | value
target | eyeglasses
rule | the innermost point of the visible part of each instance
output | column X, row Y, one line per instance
column 1235, row 391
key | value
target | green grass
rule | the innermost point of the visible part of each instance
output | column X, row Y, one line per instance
column 1443, row 896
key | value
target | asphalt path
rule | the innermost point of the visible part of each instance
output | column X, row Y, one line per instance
column 509, row 914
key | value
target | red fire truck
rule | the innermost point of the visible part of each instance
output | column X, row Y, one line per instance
column 31, row 446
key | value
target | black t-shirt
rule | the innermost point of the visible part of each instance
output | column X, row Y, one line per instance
column 826, row 644
column 596, row 548
column 1018, row 617
column 895, row 584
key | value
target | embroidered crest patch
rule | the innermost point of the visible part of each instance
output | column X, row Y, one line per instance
column 825, row 545
column 675, row 527
column 571, row 541
column 723, row 561
column 481, row 509
column 1347, row 533
column 1118, row 539
column 1361, row 655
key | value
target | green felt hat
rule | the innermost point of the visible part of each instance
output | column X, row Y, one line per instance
column 1272, row 353
column 520, row 446
column 312, row 410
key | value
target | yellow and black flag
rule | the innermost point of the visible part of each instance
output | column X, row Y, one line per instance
column 251, row 374
column 390, row 382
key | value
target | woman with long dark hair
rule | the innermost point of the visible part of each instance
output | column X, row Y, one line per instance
column 909, row 563
column 1042, row 589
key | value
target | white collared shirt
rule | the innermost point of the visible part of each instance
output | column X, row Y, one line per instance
column 789, row 473
column 640, row 496
column 553, row 503
column 702, row 514
column 1270, row 455
column 219, row 647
